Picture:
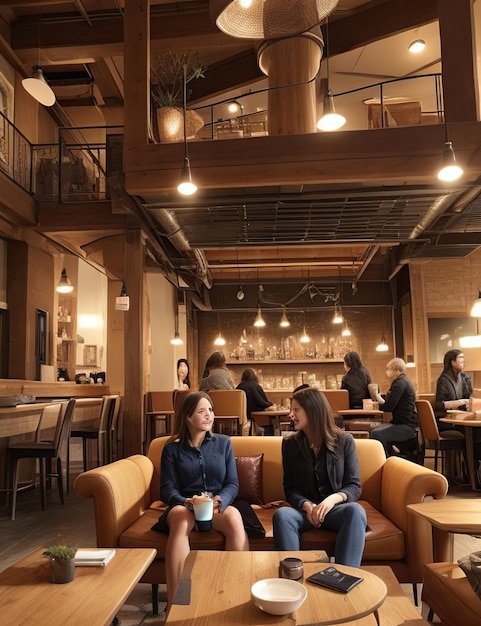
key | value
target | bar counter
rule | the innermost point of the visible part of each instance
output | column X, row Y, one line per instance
column 40, row 389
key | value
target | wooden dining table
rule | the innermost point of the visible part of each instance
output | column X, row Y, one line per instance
column 469, row 421
column 274, row 416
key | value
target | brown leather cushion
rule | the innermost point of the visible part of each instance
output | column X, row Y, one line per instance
column 249, row 470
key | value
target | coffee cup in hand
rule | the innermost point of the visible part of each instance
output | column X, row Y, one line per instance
column 203, row 511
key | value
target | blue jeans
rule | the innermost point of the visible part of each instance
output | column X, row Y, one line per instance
column 388, row 434
column 347, row 519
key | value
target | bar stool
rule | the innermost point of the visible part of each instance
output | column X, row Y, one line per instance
column 43, row 451
column 99, row 433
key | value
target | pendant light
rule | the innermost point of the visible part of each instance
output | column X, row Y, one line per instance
column 259, row 321
column 64, row 285
column 38, row 88
column 177, row 340
column 186, row 187
column 382, row 346
column 338, row 318
column 240, row 294
column 284, row 323
column 450, row 170
column 219, row 340
column 345, row 331
column 330, row 120
column 304, row 338
column 268, row 19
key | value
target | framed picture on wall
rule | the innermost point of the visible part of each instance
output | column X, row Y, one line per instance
column 90, row 355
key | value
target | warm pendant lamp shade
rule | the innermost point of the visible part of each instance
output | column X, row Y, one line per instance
column 284, row 323
column 330, row 120
column 176, row 341
column 476, row 308
column 304, row 337
column 269, row 19
column 219, row 340
column 450, row 170
column 259, row 322
column 186, row 186
column 338, row 318
column 38, row 87
column 64, row 285
column 382, row 347
column 345, row 331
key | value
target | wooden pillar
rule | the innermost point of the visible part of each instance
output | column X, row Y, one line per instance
column 460, row 87
column 292, row 110
column 133, row 413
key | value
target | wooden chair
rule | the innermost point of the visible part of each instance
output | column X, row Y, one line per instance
column 43, row 451
column 99, row 433
column 113, row 429
column 160, row 408
column 230, row 404
column 338, row 399
column 444, row 441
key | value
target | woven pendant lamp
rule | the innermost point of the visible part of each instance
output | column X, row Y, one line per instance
column 269, row 19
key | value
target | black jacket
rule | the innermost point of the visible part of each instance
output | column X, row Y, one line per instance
column 256, row 398
column 356, row 383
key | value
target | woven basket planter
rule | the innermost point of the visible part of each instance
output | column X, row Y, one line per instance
column 170, row 122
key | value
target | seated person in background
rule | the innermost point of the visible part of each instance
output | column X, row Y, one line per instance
column 321, row 481
column 453, row 387
column 256, row 398
column 216, row 375
column 183, row 374
column 400, row 401
column 355, row 380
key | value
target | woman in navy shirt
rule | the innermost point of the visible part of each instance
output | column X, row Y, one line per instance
column 197, row 460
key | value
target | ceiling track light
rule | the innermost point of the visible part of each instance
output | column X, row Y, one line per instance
column 37, row 86
column 450, row 170
column 64, row 284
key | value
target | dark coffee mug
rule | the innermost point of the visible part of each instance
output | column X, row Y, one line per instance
column 291, row 568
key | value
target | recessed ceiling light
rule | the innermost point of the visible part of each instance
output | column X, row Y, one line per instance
column 417, row 46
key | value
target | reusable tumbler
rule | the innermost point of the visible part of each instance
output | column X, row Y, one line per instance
column 203, row 512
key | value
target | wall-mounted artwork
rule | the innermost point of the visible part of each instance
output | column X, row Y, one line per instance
column 90, row 355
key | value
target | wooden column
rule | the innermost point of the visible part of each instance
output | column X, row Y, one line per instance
column 133, row 414
column 292, row 110
column 456, row 28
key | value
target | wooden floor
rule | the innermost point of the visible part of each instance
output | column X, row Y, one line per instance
column 73, row 524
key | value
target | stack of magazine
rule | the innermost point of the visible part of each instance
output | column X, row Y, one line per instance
column 93, row 558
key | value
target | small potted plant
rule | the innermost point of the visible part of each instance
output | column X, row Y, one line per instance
column 62, row 563
column 167, row 94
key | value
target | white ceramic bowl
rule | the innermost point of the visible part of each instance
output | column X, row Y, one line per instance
column 278, row 596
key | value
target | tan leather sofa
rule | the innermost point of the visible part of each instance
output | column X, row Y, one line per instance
column 126, row 505
column 448, row 593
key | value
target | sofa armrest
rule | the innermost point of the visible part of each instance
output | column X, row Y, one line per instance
column 121, row 494
column 403, row 483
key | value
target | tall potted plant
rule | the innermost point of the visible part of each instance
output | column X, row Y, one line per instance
column 167, row 85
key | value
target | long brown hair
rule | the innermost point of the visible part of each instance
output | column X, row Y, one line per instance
column 187, row 409
column 322, row 427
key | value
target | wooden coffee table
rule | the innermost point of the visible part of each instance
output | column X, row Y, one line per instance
column 215, row 588
column 27, row 595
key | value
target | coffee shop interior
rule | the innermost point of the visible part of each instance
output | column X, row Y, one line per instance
column 334, row 239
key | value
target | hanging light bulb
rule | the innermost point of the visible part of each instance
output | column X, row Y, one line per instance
column 476, row 308
column 450, row 170
column 330, row 120
column 304, row 337
column 382, row 347
column 219, row 340
column 186, row 187
column 243, row 337
column 259, row 322
column 177, row 340
column 64, row 285
column 345, row 331
column 284, row 323
column 338, row 318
